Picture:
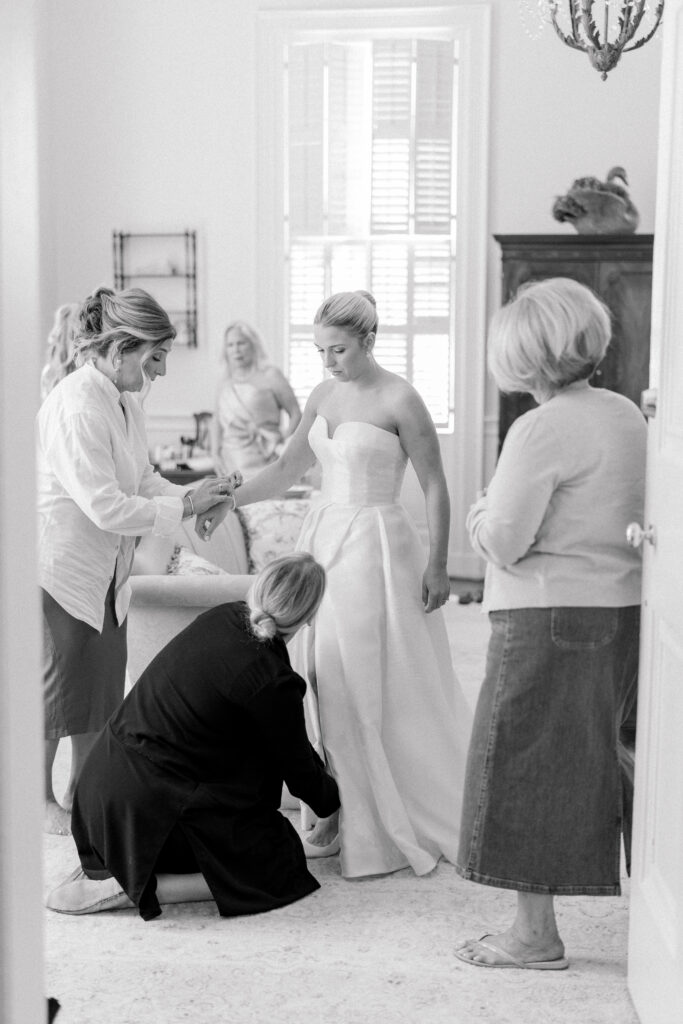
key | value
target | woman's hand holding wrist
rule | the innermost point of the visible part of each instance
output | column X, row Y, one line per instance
column 215, row 491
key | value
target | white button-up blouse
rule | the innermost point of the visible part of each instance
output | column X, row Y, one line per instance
column 97, row 492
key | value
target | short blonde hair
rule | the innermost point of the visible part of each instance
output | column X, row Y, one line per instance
column 355, row 312
column 552, row 333
column 285, row 594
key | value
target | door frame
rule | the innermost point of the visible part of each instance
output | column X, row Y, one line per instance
column 656, row 930
column 22, row 996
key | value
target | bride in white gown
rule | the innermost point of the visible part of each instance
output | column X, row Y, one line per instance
column 390, row 715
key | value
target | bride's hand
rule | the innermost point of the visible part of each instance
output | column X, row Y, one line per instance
column 206, row 522
column 211, row 517
column 435, row 588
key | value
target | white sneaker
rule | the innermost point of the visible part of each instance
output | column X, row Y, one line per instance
column 79, row 894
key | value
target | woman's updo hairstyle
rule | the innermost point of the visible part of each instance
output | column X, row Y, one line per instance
column 285, row 594
column 127, row 319
column 355, row 312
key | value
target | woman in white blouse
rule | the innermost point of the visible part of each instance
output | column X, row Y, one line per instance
column 97, row 493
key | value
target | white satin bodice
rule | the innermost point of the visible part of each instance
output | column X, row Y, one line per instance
column 362, row 464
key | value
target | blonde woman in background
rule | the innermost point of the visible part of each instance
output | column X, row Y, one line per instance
column 97, row 493
column 60, row 347
column 248, row 433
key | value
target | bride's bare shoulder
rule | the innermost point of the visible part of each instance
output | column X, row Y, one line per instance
column 318, row 395
column 397, row 389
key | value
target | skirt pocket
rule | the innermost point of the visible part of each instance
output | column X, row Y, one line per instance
column 583, row 629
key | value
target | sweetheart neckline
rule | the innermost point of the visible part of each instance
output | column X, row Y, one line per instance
column 345, row 423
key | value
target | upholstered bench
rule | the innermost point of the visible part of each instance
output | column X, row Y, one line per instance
column 176, row 578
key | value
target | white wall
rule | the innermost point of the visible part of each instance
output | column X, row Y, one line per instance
column 553, row 119
column 148, row 124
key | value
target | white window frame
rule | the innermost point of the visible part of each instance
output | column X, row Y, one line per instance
column 469, row 23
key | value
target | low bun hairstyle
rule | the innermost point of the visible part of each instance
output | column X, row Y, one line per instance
column 285, row 594
column 355, row 312
column 127, row 319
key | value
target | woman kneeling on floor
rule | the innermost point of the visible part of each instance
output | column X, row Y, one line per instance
column 180, row 800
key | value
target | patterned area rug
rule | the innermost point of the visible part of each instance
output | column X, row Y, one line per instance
column 376, row 951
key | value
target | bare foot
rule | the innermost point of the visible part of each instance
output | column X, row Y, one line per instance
column 323, row 834
column 545, row 949
column 57, row 821
column 308, row 818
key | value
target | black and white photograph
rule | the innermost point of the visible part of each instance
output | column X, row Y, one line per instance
column 341, row 464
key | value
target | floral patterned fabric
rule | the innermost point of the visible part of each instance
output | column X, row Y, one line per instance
column 186, row 563
column 271, row 528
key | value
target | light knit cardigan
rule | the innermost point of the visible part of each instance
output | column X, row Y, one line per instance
column 552, row 525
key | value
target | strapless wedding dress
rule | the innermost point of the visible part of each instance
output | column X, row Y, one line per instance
column 383, row 702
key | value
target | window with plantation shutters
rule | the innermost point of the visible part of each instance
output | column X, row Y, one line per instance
column 370, row 164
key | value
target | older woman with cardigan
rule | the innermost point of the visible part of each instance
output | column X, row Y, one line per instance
column 180, row 799
column 549, row 780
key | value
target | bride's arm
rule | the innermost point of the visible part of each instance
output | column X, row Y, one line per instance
column 297, row 457
column 274, row 480
column 420, row 442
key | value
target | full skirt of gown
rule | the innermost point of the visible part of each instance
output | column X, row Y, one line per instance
column 383, row 704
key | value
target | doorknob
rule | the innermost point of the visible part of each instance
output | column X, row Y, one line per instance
column 648, row 403
column 635, row 535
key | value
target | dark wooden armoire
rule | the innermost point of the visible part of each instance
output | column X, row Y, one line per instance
column 619, row 269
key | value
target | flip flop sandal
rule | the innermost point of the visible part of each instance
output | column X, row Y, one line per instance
column 507, row 960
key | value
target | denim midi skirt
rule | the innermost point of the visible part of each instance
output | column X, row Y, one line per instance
column 549, row 780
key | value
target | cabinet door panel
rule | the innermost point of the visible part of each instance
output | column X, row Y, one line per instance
column 519, row 272
column 619, row 270
column 626, row 288
column 515, row 274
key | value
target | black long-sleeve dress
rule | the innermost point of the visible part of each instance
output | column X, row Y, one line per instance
column 187, row 775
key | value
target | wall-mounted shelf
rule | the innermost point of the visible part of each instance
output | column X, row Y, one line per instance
column 169, row 259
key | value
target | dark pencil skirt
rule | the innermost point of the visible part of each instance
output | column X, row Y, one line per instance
column 549, row 779
column 83, row 671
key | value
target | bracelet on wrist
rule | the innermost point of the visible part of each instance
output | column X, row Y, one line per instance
column 191, row 504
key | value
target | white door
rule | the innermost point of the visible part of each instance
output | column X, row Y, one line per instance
column 656, row 934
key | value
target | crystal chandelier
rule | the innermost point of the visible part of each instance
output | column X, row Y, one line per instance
column 604, row 29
